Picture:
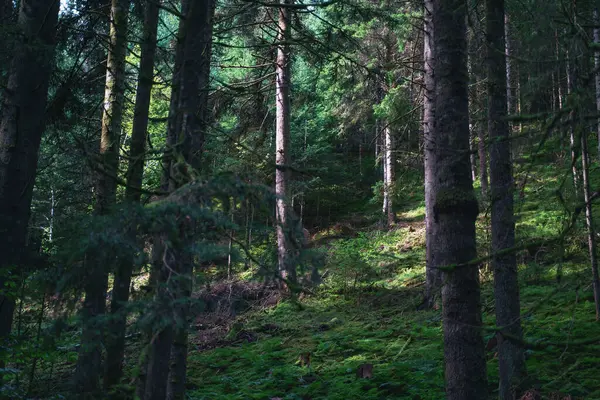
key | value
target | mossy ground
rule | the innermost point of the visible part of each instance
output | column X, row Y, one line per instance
column 346, row 323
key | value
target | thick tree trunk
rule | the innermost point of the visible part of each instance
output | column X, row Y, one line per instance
column 433, row 275
column 88, row 369
column 388, row 183
column 585, row 157
column 193, row 105
column 597, row 73
column 455, row 208
column 122, row 281
column 287, row 271
column 506, row 284
column 22, row 123
column 153, row 362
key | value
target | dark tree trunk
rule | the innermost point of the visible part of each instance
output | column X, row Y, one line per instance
column 193, row 104
column 455, row 208
column 22, row 123
column 122, row 281
column 433, row 280
column 194, row 82
column 159, row 351
column 287, row 269
column 88, row 369
column 506, row 284
column 597, row 74
column 589, row 218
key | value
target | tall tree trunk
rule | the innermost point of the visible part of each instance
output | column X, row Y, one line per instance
column 597, row 72
column 89, row 361
column 585, row 157
column 388, row 154
column 506, row 283
column 193, row 104
column 153, row 375
column 433, row 275
column 508, row 72
column 571, row 84
column 22, row 123
column 135, row 170
column 455, row 208
column 287, row 269
column 472, row 151
column 192, row 107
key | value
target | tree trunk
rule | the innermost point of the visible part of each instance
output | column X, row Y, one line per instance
column 89, row 361
column 506, row 283
column 597, row 73
column 122, row 281
column 193, row 104
column 286, row 266
column 154, row 373
column 22, row 123
column 585, row 157
column 571, row 78
column 388, row 184
column 433, row 275
column 455, row 208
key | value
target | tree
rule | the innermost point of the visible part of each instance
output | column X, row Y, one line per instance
column 193, row 83
column 22, row 123
column 89, row 360
column 433, row 282
column 287, row 270
column 506, row 283
column 122, row 280
column 455, row 208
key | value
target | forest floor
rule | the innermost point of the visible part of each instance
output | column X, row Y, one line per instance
column 366, row 311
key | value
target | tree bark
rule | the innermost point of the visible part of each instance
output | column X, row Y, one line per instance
column 89, row 361
column 571, row 84
column 433, row 276
column 388, row 183
column 286, row 266
column 22, row 123
column 597, row 73
column 192, row 109
column 455, row 208
column 120, row 295
column 193, row 105
column 506, row 283
column 153, row 378
column 589, row 219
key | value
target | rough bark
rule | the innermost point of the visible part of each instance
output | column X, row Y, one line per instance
column 159, row 343
column 571, row 84
column 122, row 280
column 22, row 123
column 388, row 155
column 433, row 276
column 455, row 208
column 589, row 219
column 506, row 285
column 88, row 369
column 282, row 142
column 597, row 73
column 193, row 105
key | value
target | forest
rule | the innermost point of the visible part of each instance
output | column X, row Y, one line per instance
column 299, row 199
